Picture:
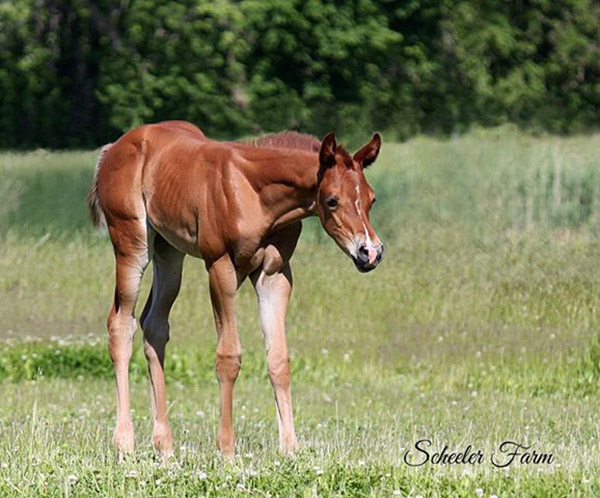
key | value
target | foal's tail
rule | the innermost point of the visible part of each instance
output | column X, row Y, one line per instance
column 93, row 202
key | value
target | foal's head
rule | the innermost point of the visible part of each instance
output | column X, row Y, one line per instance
column 344, row 200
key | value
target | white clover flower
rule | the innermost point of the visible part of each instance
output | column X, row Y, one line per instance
column 202, row 475
column 72, row 478
column 479, row 492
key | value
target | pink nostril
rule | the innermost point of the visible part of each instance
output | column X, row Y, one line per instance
column 372, row 255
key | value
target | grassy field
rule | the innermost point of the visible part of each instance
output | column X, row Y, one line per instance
column 480, row 326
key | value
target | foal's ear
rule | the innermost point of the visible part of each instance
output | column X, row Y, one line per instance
column 368, row 153
column 327, row 152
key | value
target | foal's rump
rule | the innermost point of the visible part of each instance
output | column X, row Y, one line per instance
column 135, row 138
column 152, row 175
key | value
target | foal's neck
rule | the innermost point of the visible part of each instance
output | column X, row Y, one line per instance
column 286, row 181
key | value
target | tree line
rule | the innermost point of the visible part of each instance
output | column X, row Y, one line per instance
column 76, row 73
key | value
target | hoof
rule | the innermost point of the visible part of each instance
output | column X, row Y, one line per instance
column 226, row 443
column 124, row 442
column 227, row 450
column 163, row 442
column 227, row 455
column 288, row 448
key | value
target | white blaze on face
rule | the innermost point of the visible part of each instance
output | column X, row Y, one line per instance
column 371, row 249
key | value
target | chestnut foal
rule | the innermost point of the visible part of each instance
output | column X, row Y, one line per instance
column 165, row 190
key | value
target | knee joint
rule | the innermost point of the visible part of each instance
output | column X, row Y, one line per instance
column 119, row 350
column 228, row 366
column 120, row 339
column 279, row 368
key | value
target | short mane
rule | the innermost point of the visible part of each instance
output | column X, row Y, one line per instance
column 288, row 140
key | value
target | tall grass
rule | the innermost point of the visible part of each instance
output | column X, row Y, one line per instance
column 486, row 181
column 492, row 230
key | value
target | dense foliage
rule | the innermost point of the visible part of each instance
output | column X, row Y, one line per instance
column 79, row 72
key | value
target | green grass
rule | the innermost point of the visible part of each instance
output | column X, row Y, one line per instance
column 481, row 325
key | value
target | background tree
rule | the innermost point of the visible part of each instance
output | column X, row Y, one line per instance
column 77, row 73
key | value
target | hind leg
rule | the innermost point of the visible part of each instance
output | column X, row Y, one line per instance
column 168, row 263
column 131, row 252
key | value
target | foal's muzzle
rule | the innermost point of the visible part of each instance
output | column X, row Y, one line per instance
column 361, row 260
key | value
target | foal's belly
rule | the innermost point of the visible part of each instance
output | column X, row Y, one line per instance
column 180, row 238
column 178, row 224
column 184, row 223
column 196, row 238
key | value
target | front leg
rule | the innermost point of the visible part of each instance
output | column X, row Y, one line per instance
column 223, row 287
column 273, row 292
column 273, row 285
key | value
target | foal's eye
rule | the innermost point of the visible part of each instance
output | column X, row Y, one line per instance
column 331, row 202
